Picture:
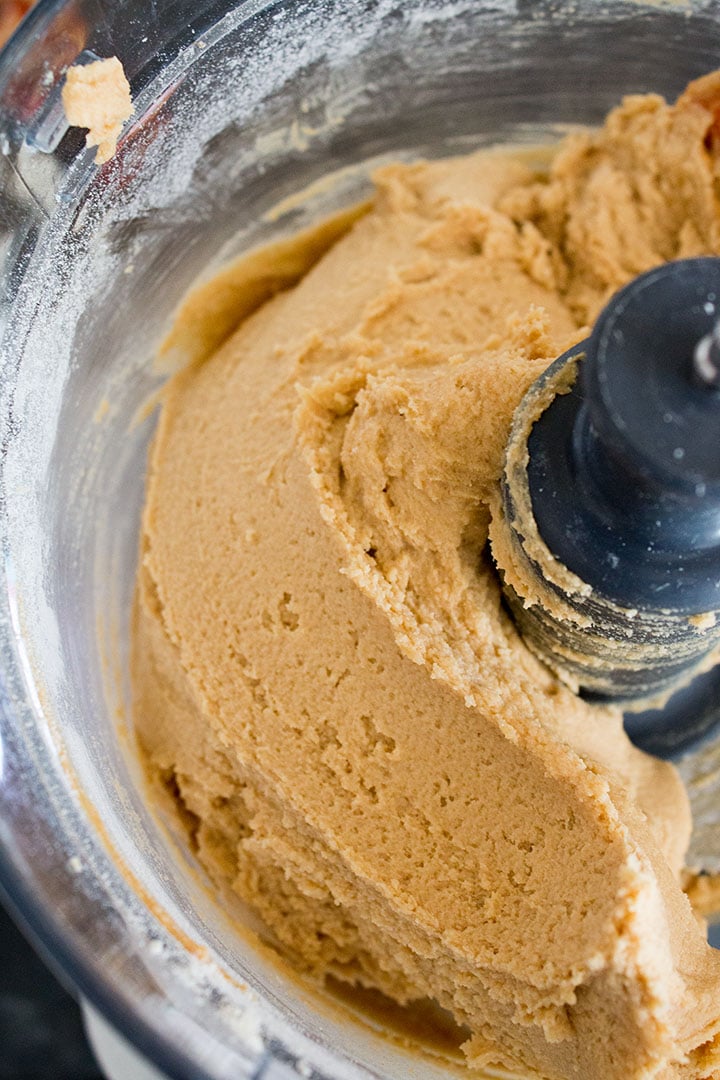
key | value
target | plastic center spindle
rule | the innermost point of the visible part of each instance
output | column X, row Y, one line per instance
column 620, row 486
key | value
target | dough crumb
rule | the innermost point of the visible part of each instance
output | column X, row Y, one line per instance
column 97, row 97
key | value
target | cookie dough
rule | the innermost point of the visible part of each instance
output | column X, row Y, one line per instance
column 327, row 685
column 96, row 96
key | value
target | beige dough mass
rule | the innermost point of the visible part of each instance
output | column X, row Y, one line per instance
column 326, row 682
column 96, row 96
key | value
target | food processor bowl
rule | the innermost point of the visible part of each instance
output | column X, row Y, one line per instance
column 238, row 108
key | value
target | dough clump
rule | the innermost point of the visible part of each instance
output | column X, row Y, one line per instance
column 327, row 685
column 96, row 96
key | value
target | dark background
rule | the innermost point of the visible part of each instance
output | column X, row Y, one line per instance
column 41, row 1032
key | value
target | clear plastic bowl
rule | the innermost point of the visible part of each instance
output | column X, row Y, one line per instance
column 237, row 107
